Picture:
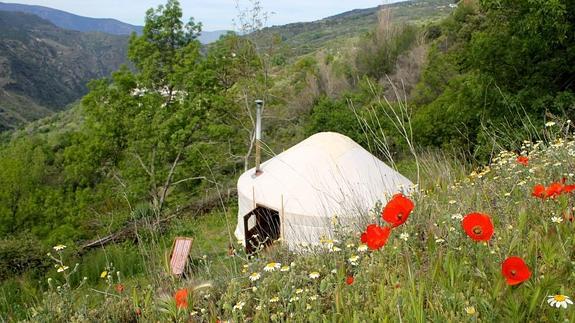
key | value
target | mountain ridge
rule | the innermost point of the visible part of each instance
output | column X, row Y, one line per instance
column 43, row 68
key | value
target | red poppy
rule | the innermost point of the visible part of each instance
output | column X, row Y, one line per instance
column 119, row 288
column 523, row 160
column 554, row 190
column 181, row 298
column 539, row 191
column 397, row 210
column 568, row 188
column 349, row 280
column 375, row 236
column 478, row 226
column 515, row 271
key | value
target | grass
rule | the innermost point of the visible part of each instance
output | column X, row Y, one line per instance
column 429, row 270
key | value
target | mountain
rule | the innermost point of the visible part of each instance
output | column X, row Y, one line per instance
column 66, row 20
column 43, row 68
column 207, row 37
column 70, row 21
column 305, row 37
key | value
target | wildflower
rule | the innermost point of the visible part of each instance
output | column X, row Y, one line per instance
column 314, row 275
column 59, row 247
column 375, row 236
column 538, row 191
column 404, row 236
column 478, row 226
column 559, row 301
column 313, row 297
column 119, row 288
column 274, row 299
column 457, row 217
column 239, row 306
column 255, row 276
column 523, row 160
column 550, row 124
column 353, row 260
column 335, row 249
column 181, row 297
column 439, row 240
column 104, row 274
column 452, row 202
column 299, row 291
column 284, row 268
column 362, row 248
column 272, row 266
column 470, row 310
column 62, row 268
column 349, row 280
column 556, row 219
column 294, row 299
column 554, row 190
column 397, row 210
column 515, row 271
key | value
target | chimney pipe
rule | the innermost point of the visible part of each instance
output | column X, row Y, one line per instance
column 259, row 106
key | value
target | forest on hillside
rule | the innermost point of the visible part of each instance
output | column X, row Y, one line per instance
column 156, row 146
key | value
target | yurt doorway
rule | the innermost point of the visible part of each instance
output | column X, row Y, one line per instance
column 262, row 228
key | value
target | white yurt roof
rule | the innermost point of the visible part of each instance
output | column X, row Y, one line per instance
column 324, row 176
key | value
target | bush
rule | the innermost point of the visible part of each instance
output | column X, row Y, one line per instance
column 19, row 254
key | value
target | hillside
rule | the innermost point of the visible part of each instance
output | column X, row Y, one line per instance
column 66, row 20
column 43, row 68
column 155, row 152
column 305, row 37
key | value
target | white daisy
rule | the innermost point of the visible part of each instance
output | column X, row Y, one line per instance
column 353, row 260
column 457, row 216
column 404, row 236
column 362, row 248
column 272, row 266
column 239, row 306
column 255, row 276
column 314, row 275
column 59, row 247
column 559, row 301
column 550, row 124
column 62, row 268
column 556, row 219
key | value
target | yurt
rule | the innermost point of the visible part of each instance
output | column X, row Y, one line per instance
column 297, row 194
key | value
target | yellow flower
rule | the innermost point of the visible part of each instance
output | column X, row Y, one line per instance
column 62, row 268
column 104, row 274
column 470, row 310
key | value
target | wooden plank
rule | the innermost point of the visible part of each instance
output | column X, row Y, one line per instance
column 180, row 253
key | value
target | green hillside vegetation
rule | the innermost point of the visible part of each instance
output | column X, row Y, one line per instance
column 303, row 38
column 154, row 153
column 44, row 68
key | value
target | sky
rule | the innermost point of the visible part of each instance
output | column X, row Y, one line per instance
column 214, row 14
